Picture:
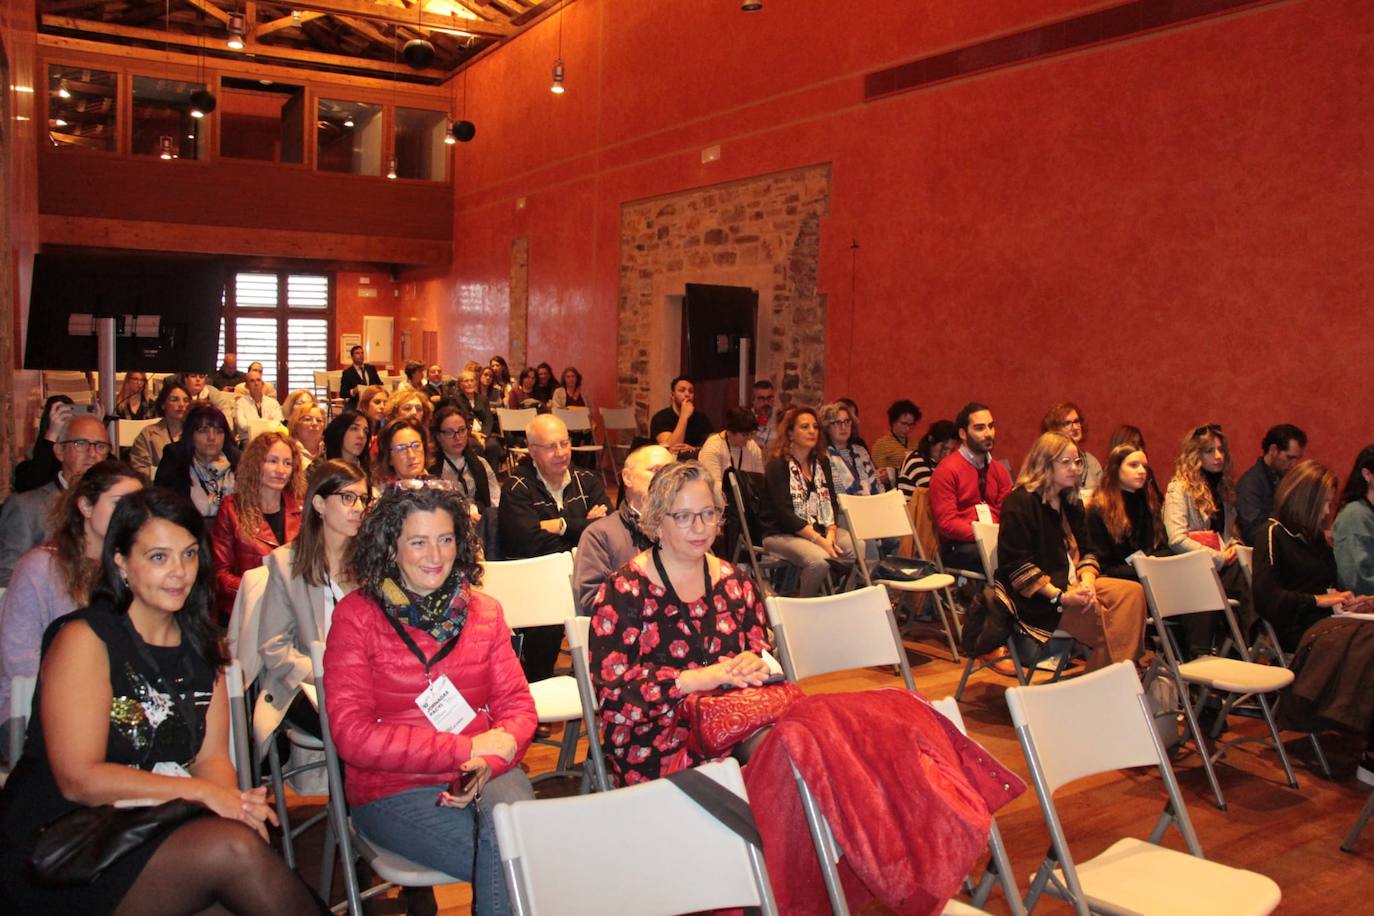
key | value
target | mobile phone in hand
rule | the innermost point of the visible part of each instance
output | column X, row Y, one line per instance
column 462, row 783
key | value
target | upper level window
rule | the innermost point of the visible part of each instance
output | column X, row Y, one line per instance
column 349, row 137
column 162, row 120
column 261, row 119
column 420, row 149
column 81, row 107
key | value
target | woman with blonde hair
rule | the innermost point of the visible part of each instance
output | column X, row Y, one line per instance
column 1048, row 568
column 295, row 400
column 1200, row 502
column 306, row 426
column 263, row 513
column 132, row 402
column 410, row 405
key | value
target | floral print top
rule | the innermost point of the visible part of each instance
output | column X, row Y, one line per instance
column 641, row 640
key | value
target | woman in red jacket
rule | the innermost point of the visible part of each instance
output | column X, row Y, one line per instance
column 261, row 515
column 423, row 689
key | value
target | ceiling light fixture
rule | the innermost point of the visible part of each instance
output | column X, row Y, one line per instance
column 462, row 130
column 63, row 90
column 391, row 169
column 348, row 122
column 165, row 148
column 236, row 31
column 449, row 138
column 58, row 122
column 558, row 88
column 202, row 103
column 418, row 52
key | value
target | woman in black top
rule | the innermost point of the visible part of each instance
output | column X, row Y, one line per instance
column 201, row 465
column 1123, row 514
column 1048, row 568
column 130, row 705
column 800, row 512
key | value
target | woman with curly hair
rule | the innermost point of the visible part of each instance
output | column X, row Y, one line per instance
column 1123, row 514
column 403, row 451
column 1047, row 565
column 653, row 641
column 263, row 513
column 58, row 577
column 201, row 465
column 417, row 629
column 131, row 705
column 1200, row 502
column 1066, row 418
column 410, row 405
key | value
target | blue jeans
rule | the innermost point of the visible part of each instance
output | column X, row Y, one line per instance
column 456, row 841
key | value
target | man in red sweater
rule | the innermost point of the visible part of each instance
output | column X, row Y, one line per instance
column 968, row 486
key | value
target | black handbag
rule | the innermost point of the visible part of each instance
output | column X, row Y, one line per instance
column 902, row 569
column 78, row 846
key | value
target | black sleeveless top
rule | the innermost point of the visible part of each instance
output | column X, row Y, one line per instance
column 160, row 695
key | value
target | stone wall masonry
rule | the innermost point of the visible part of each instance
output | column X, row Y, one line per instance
column 761, row 232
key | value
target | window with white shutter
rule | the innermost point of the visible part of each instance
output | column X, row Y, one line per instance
column 282, row 319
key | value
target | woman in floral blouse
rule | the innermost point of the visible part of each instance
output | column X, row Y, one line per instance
column 673, row 621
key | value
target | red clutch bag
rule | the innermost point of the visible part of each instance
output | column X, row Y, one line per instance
column 1206, row 539
column 720, row 719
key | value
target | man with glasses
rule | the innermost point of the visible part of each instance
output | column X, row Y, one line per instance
column 764, row 410
column 1066, row 418
column 546, row 504
column 81, row 442
column 611, row 542
column 1281, row 448
column 891, row 447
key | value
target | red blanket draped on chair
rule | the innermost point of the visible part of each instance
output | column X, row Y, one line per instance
column 908, row 797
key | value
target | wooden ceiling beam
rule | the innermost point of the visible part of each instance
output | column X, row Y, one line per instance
column 364, row 9
column 285, row 22
column 367, row 30
column 209, row 9
column 262, row 51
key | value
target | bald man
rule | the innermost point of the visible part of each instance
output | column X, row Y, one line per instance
column 81, row 442
column 546, row 504
column 611, row 542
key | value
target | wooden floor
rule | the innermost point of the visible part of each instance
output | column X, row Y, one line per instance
column 1293, row 836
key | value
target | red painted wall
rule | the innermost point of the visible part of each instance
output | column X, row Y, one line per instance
column 1168, row 230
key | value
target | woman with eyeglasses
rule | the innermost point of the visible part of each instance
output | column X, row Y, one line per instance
column 673, row 621
column 57, row 577
column 851, row 467
column 306, row 580
column 348, row 437
column 201, row 465
column 132, row 401
column 419, row 628
column 261, row 515
column 459, row 461
column 1066, row 418
column 402, row 453
column 800, row 511
column 1047, row 567
column 172, row 403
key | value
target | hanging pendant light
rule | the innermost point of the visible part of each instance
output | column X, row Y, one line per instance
column 391, row 168
column 63, row 90
column 558, row 88
column 236, row 31
column 202, row 103
column 165, row 148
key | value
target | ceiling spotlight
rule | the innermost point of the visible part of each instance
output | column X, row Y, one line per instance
column 348, row 122
column 462, row 131
column 751, row 6
column 58, row 122
column 202, row 103
column 391, row 168
column 236, row 27
column 165, row 148
column 557, row 88
column 63, row 90
column 449, row 139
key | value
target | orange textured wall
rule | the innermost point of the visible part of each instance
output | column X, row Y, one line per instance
column 1168, row 230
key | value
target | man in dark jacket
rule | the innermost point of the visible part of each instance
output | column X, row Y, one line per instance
column 1281, row 448
column 615, row 540
column 359, row 375
column 546, row 504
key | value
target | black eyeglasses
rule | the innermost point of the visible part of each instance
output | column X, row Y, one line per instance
column 453, row 433
column 86, row 445
column 351, row 499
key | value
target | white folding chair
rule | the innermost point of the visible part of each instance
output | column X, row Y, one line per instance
column 393, row 869
column 1097, row 723
column 1188, row 584
column 22, row 689
column 258, row 427
column 836, row 633
column 513, row 423
column 618, row 420
column 998, row 870
column 537, row 592
column 1037, row 654
column 74, row 385
column 129, row 430
column 874, row 518
column 392, row 382
column 607, row 866
column 578, row 631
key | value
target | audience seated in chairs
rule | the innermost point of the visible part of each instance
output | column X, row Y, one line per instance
column 200, row 465
column 458, row 459
column 673, row 621
column 306, row 580
column 609, row 543
column 481, row 419
column 173, row 400
column 521, row 394
column 410, row 405
column 256, row 405
column 415, row 626
column 732, row 447
column 935, row 446
column 1047, row 566
column 499, row 386
column 968, row 486
column 544, row 386
column 800, row 509
column 1295, row 584
column 851, row 467
column 1066, row 418
column 57, row 577
column 1123, row 514
column 148, row 639
column 1352, row 536
column 262, row 514
column 680, row 427
column 891, row 447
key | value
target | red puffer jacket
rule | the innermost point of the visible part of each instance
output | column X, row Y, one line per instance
column 371, row 681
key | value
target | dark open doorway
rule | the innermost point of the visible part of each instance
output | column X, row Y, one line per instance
column 715, row 322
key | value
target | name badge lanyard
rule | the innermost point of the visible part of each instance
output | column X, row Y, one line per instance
column 430, row 662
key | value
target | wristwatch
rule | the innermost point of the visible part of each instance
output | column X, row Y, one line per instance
column 1058, row 598
column 562, row 527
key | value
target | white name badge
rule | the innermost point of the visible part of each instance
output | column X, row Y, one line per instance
column 983, row 512
column 444, row 706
